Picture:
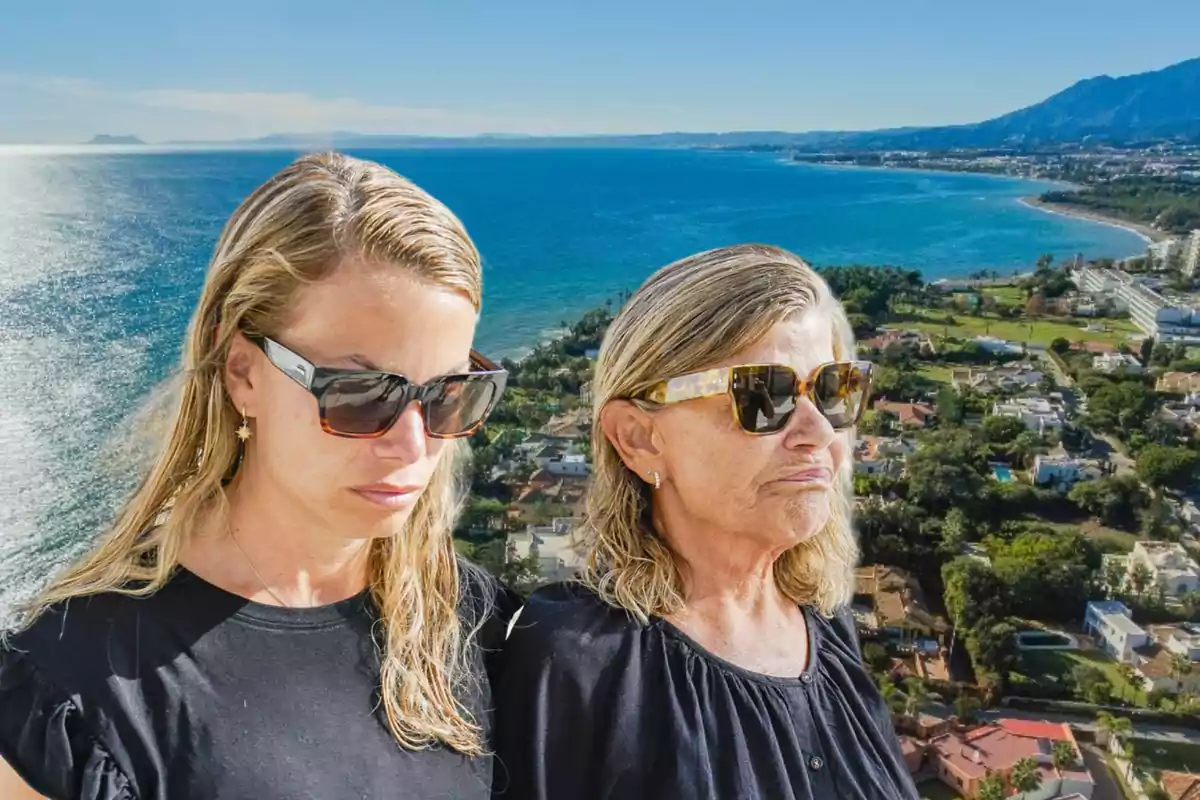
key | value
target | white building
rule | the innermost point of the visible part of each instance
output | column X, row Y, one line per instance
column 1169, row 565
column 1162, row 252
column 568, row 465
column 1191, row 257
column 555, row 546
column 1039, row 414
column 1111, row 622
column 1063, row 470
column 1166, row 320
column 1117, row 364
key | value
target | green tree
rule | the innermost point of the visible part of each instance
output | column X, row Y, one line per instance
column 875, row 655
column 1000, row 430
column 917, row 696
column 1049, row 574
column 1090, row 684
column 990, row 788
column 949, row 470
column 993, row 647
column 965, row 708
column 1063, row 755
column 1060, row 345
column 1114, row 500
column 1025, row 775
column 1139, row 580
column 1120, row 407
column 956, row 530
column 973, row 593
column 1110, row 725
column 949, row 406
column 1168, row 467
column 1023, row 448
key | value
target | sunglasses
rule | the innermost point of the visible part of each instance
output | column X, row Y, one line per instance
column 365, row 404
column 765, row 395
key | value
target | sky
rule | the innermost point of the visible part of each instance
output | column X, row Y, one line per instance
column 219, row 69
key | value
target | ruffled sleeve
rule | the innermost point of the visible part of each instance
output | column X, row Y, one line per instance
column 47, row 740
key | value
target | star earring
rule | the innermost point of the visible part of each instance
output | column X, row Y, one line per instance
column 243, row 432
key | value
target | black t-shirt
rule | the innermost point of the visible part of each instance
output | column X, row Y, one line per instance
column 591, row 704
column 194, row 692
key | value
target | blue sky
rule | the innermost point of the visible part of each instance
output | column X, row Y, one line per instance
column 217, row 69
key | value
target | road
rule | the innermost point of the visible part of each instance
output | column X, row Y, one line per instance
column 1106, row 782
column 1112, row 450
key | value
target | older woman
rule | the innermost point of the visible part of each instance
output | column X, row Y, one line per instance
column 707, row 651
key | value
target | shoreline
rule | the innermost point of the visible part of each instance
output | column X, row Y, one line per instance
column 1145, row 232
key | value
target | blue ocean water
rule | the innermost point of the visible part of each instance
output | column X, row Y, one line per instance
column 102, row 256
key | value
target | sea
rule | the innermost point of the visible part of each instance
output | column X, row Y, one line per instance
column 103, row 251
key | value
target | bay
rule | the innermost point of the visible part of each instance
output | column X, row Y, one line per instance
column 102, row 254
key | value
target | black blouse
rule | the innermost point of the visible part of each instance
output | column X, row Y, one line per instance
column 194, row 692
column 591, row 704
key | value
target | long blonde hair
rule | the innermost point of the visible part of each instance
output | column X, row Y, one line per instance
column 684, row 318
column 293, row 231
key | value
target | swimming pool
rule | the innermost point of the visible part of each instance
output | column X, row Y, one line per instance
column 1002, row 473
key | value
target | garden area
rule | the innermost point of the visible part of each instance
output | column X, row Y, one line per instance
column 1167, row 755
column 936, row 790
column 1089, row 675
column 1040, row 331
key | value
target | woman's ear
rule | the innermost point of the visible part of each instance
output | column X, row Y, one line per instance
column 632, row 432
column 241, row 374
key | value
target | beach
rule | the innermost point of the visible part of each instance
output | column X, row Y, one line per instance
column 1148, row 234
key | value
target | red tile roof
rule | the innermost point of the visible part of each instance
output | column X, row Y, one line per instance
column 1054, row 731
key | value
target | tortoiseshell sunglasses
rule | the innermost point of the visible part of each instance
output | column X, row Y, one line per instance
column 365, row 404
column 765, row 395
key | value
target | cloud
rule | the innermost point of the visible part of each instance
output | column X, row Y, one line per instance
column 196, row 113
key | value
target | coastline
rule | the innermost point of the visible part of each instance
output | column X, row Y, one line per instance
column 1148, row 234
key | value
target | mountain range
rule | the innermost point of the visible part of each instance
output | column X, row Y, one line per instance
column 1162, row 104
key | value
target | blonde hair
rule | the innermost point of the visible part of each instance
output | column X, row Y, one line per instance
column 684, row 318
column 292, row 231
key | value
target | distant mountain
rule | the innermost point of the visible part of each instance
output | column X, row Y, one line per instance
column 1164, row 104
column 344, row 139
column 104, row 138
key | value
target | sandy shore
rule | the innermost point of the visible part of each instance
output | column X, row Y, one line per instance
column 1147, row 233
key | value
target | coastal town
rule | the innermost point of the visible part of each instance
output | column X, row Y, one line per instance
column 1027, row 486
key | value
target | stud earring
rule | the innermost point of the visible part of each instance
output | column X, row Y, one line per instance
column 657, row 479
column 243, row 432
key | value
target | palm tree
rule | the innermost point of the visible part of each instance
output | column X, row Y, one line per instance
column 1180, row 666
column 1130, row 677
column 917, row 696
column 1025, row 776
column 1113, row 726
column 1063, row 755
column 990, row 788
column 892, row 696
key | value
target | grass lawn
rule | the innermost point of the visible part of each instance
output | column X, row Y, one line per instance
column 1053, row 665
column 1178, row 756
column 936, row 790
column 1092, row 529
column 938, row 373
column 1038, row 331
column 1007, row 295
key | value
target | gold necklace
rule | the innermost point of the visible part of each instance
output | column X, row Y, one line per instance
column 254, row 569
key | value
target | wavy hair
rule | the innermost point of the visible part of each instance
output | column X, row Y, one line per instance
column 686, row 317
column 290, row 232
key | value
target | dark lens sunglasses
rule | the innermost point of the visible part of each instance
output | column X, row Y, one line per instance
column 365, row 404
column 765, row 395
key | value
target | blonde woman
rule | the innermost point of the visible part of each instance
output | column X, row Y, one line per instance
column 707, row 651
column 278, row 611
